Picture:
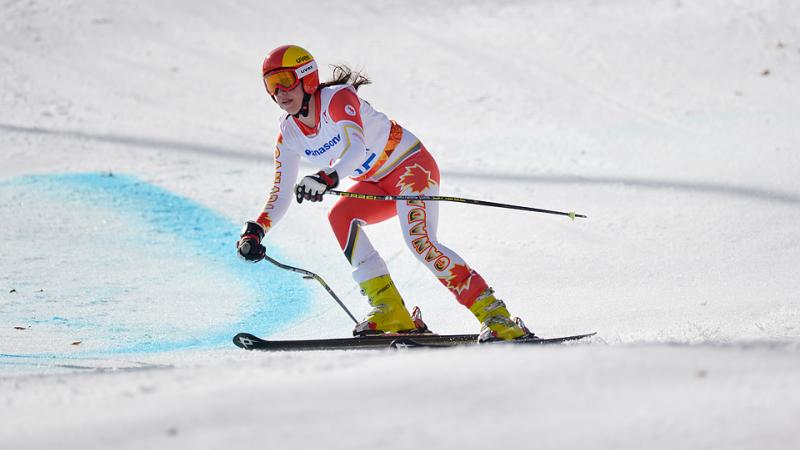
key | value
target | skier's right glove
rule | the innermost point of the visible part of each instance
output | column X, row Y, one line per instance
column 313, row 187
column 249, row 245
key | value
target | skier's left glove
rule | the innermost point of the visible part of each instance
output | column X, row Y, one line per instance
column 249, row 245
column 313, row 187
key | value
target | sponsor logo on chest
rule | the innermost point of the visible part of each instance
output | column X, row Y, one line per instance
column 325, row 147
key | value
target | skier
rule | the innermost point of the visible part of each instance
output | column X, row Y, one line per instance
column 335, row 129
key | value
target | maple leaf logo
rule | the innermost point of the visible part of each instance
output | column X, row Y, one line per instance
column 459, row 278
column 265, row 221
column 416, row 179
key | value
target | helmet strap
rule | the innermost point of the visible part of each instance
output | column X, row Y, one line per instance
column 303, row 109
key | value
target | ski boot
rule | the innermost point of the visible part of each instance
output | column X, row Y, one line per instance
column 496, row 320
column 389, row 313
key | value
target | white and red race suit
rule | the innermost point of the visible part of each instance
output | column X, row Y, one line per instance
column 383, row 158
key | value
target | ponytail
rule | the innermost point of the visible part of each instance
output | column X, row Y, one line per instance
column 344, row 75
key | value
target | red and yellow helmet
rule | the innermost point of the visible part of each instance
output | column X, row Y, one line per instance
column 286, row 66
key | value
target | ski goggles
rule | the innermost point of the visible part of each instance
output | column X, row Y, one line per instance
column 287, row 79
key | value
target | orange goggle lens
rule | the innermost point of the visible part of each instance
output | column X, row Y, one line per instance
column 285, row 80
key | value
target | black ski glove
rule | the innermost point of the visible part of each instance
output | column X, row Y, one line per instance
column 249, row 245
column 313, row 187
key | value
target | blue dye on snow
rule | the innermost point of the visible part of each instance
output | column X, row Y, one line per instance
column 278, row 297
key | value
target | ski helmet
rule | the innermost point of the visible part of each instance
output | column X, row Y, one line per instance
column 299, row 66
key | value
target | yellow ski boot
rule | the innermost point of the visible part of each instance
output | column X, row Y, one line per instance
column 496, row 320
column 389, row 313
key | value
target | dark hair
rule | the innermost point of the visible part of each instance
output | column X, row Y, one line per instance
column 344, row 75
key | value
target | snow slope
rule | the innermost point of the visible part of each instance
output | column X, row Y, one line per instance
column 136, row 138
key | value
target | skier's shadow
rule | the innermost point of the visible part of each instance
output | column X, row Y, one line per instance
column 259, row 155
column 650, row 183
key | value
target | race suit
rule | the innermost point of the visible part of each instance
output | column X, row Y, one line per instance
column 356, row 140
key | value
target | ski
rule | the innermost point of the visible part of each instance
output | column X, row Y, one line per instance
column 248, row 341
column 412, row 342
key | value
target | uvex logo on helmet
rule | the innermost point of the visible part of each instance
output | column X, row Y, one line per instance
column 295, row 58
column 307, row 69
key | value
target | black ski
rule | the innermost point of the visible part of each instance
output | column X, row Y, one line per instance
column 250, row 342
column 413, row 342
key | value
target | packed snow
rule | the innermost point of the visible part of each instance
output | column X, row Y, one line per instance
column 137, row 138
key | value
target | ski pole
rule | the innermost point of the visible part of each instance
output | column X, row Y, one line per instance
column 441, row 198
column 311, row 275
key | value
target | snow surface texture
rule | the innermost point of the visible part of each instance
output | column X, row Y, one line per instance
column 136, row 138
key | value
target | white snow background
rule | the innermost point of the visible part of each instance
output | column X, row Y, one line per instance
column 136, row 137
